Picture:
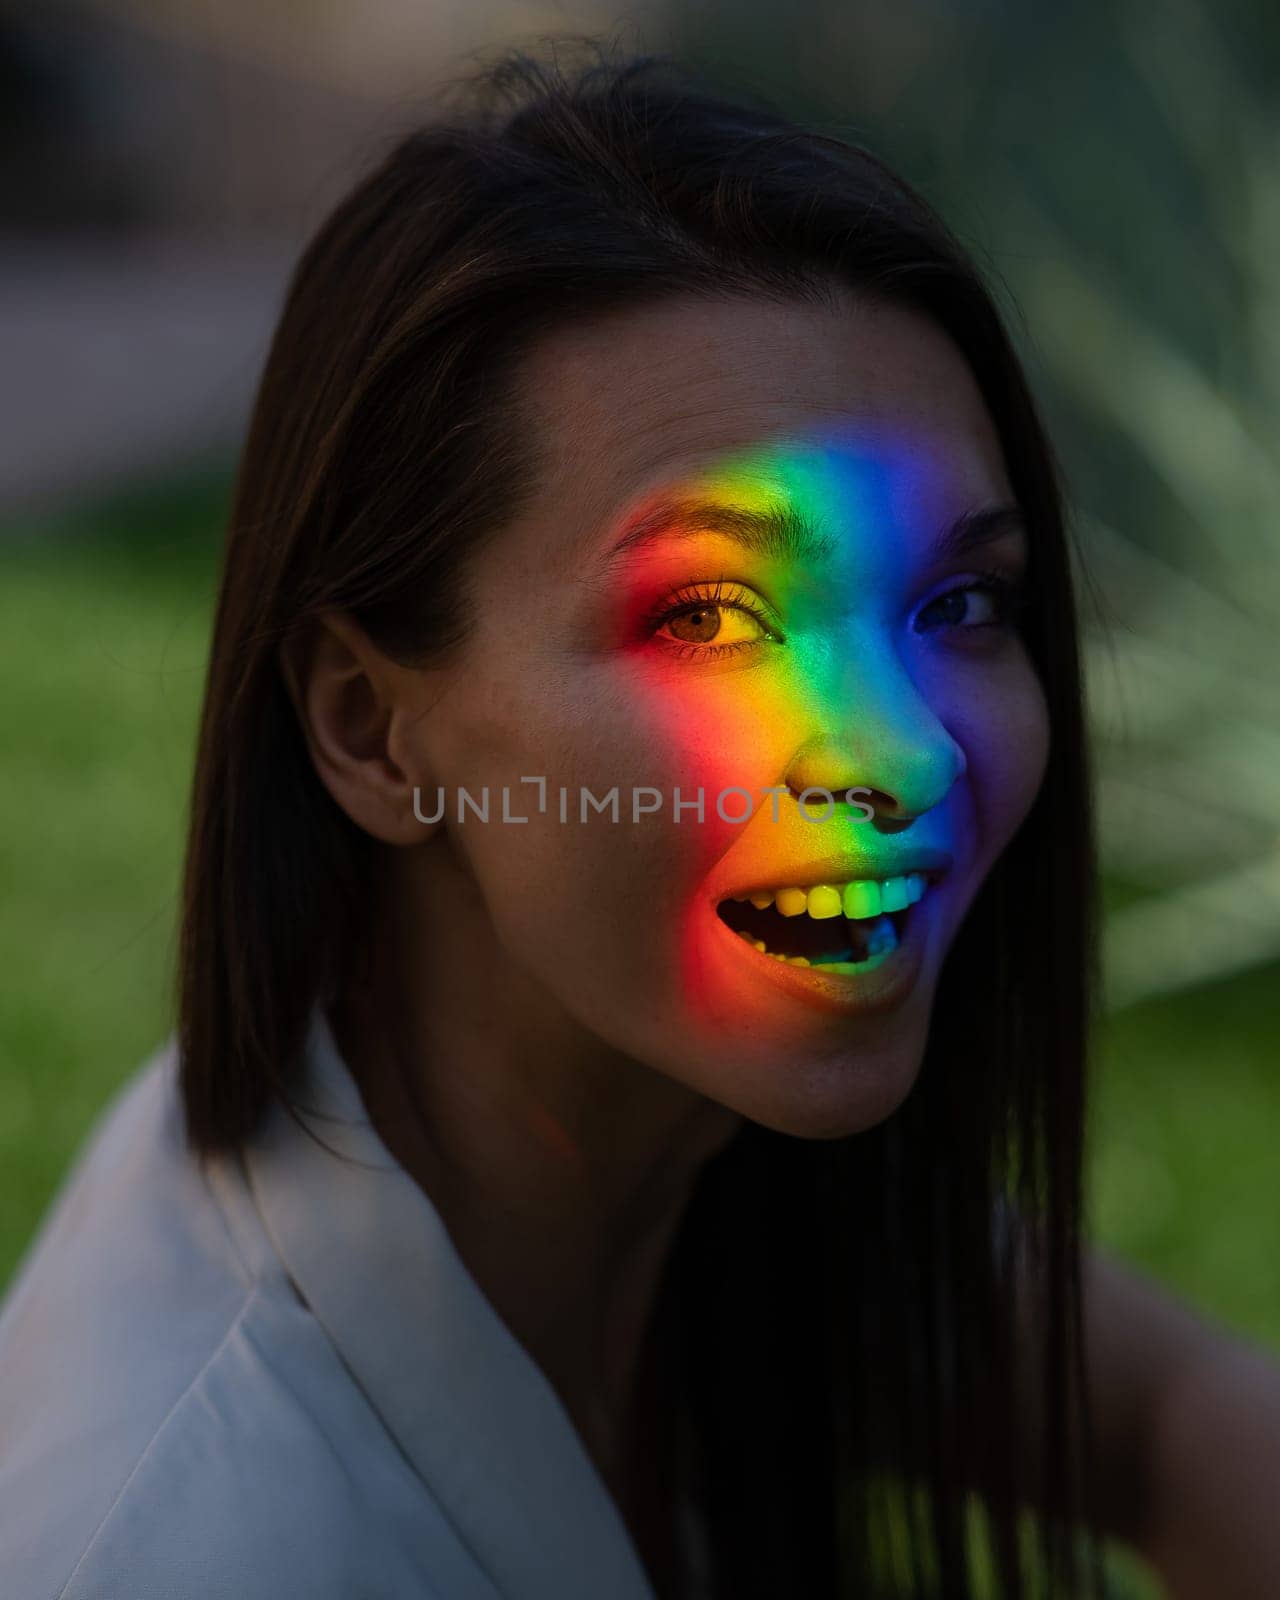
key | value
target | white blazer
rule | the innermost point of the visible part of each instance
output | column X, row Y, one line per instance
column 276, row 1378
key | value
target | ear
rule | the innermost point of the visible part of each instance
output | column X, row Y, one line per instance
column 354, row 704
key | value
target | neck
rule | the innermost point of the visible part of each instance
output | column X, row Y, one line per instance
column 560, row 1168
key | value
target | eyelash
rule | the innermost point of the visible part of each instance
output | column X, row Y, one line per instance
column 1009, row 592
column 729, row 596
column 1010, row 596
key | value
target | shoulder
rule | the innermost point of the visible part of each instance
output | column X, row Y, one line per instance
column 253, row 1485
column 173, row 1420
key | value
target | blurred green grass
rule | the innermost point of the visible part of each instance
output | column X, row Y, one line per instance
column 104, row 618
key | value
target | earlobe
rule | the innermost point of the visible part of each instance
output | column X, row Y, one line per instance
column 347, row 694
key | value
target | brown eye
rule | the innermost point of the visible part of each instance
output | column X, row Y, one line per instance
column 701, row 626
column 698, row 626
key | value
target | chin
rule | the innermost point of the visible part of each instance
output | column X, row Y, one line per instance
column 804, row 1088
column 834, row 1103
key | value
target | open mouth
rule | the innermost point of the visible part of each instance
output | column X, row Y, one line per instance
column 840, row 927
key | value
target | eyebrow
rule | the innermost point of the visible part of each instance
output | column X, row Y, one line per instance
column 785, row 533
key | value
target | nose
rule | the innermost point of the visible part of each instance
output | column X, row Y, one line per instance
column 880, row 736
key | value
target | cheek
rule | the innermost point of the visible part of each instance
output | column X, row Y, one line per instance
column 581, row 903
column 570, row 886
column 713, row 726
column 1005, row 736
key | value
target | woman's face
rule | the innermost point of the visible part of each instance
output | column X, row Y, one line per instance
column 744, row 576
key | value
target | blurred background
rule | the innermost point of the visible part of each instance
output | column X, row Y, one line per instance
column 1115, row 167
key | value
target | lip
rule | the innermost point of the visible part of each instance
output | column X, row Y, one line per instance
column 854, row 994
column 932, row 864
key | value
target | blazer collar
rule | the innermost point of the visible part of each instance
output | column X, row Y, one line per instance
column 467, row 1404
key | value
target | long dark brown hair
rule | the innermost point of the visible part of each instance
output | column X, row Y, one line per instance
column 848, row 1322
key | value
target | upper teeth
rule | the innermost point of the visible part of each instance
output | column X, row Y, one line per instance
column 864, row 897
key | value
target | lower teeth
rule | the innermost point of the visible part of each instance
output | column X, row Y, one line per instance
column 879, row 935
column 880, row 938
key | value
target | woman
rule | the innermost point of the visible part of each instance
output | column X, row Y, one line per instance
column 623, row 1131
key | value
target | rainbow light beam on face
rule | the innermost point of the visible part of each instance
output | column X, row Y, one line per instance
column 824, row 537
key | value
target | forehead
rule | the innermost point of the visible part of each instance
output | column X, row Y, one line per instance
column 851, row 410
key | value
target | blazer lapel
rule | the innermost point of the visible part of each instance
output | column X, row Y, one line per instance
column 466, row 1403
